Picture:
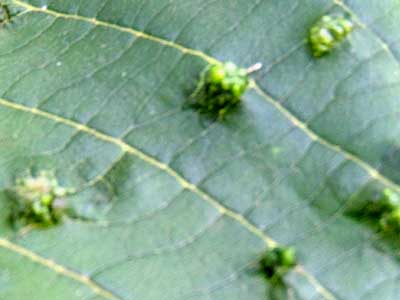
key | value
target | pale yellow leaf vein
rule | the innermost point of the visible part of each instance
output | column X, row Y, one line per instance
column 59, row 269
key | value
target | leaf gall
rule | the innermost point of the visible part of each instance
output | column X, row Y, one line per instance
column 37, row 200
column 327, row 33
column 5, row 15
column 277, row 262
column 221, row 87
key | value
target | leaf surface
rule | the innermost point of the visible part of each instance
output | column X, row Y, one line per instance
column 172, row 205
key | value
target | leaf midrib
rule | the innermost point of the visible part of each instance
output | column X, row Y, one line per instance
column 184, row 183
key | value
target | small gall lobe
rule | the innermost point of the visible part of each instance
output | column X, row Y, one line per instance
column 386, row 210
column 277, row 262
column 389, row 210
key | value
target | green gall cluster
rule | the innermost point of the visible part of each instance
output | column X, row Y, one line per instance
column 277, row 262
column 327, row 33
column 39, row 200
column 220, row 88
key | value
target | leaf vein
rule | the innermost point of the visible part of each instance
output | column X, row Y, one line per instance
column 59, row 269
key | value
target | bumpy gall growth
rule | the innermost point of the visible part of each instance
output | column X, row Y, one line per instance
column 328, row 32
column 277, row 262
column 39, row 200
column 221, row 87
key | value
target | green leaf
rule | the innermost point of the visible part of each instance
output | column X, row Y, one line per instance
column 168, row 203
